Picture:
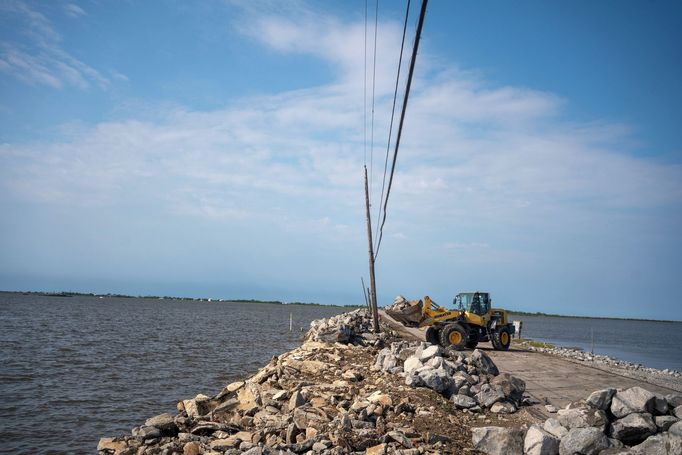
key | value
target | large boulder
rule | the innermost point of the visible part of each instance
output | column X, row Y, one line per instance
column 430, row 352
column 601, row 399
column 503, row 407
column 674, row 400
column 660, row 444
column 661, row 405
column 437, row 380
column 633, row 428
column 677, row 412
column 664, row 422
column 583, row 441
column 676, row 429
column 483, row 363
column 489, row 395
column 632, row 400
column 512, row 386
column 306, row 416
column 164, row 422
column 540, row 442
column 582, row 417
column 412, row 363
column 554, row 427
column 335, row 334
column 463, row 401
column 498, row 440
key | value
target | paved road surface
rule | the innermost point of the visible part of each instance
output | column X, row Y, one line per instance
column 550, row 379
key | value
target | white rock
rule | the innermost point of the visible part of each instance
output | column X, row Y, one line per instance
column 540, row 442
column 430, row 352
column 586, row 441
column 412, row 363
column 634, row 399
column 554, row 427
column 498, row 440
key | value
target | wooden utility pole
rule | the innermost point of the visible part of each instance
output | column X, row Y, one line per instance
column 372, row 281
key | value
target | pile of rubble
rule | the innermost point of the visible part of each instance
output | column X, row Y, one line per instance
column 632, row 421
column 320, row 398
column 469, row 381
column 400, row 303
column 353, row 327
column 582, row 356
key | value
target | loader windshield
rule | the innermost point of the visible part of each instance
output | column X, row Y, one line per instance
column 473, row 302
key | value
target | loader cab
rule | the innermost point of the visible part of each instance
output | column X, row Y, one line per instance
column 473, row 302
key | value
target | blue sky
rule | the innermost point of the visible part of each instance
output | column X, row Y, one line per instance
column 216, row 149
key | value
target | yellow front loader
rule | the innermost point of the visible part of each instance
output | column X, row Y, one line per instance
column 473, row 320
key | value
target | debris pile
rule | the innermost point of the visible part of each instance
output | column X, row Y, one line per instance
column 469, row 381
column 406, row 312
column 632, row 421
column 320, row 398
column 400, row 303
column 353, row 327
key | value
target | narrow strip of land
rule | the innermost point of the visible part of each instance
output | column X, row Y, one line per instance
column 549, row 379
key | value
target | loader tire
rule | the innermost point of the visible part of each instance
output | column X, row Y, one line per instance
column 432, row 335
column 453, row 335
column 501, row 339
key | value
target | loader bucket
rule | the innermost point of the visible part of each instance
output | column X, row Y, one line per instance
column 409, row 316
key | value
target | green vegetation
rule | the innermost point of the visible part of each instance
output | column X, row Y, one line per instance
column 533, row 343
column 156, row 297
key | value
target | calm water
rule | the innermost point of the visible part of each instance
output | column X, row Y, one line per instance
column 75, row 369
column 653, row 344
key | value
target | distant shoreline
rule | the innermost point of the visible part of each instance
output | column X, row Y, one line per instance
column 541, row 314
column 156, row 297
column 280, row 302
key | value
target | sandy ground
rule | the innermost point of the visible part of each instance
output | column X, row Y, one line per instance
column 557, row 380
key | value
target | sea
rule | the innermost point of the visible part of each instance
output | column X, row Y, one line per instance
column 74, row 369
column 654, row 344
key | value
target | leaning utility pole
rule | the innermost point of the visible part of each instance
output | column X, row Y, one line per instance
column 372, row 281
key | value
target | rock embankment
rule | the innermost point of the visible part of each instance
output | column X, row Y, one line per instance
column 469, row 380
column 325, row 398
column 632, row 421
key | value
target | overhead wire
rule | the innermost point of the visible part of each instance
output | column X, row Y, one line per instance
column 390, row 128
column 415, row 48
column 365, row 94
column 374, row 73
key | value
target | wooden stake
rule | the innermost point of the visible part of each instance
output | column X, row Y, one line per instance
column 372, row 282
column 365, row 293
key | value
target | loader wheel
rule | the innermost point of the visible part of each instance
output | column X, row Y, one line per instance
column 453, row 335
column 501, row 339
column 432, row 335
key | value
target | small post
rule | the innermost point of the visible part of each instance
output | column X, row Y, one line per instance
column 365, row 292
column 592, row 333
column 291, row 322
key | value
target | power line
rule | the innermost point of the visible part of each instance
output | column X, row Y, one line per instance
column 365, row 94
column 374, row 74
column 418, row 33
column 390, row 129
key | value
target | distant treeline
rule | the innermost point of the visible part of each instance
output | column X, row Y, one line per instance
column 539, row 313
column 157, row 297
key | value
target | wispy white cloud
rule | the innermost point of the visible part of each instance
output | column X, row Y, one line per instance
column 73, row 10
column 474, row 154
column 38, row 58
